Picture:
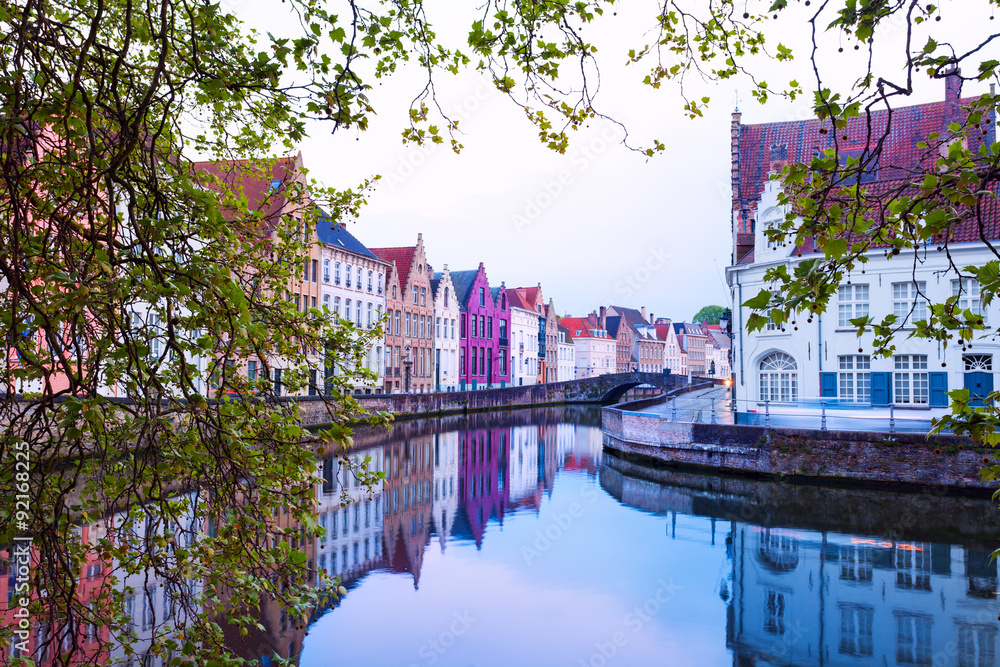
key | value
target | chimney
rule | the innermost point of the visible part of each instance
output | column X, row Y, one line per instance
column 602, row 320
column 643, row 311
column 778, row 158
column 952, row 84
column 652, row 320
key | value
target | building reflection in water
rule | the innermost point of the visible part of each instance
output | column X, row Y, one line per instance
column 815, row 598
column 803, row 590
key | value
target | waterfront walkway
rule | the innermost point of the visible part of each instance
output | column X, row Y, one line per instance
column 696, row 406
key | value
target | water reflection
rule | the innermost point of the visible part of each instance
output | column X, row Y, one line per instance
column 520, row 526
column 800, row 592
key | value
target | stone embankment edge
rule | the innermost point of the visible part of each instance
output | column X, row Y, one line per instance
column 941, row 464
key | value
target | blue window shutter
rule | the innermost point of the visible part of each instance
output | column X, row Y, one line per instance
column 828, row 385
column 881, row 386
column 939, row 389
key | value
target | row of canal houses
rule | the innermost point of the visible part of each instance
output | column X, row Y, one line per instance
column 460, row 329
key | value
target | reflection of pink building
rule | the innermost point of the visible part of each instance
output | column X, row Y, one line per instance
column 50, row 638
column 483, row 489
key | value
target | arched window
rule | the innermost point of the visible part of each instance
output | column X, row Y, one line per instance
column 779, row 380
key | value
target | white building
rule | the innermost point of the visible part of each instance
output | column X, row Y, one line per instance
column 801, row 597
column 523, row 483
column 821, row 358
column 673, row 356
column 565, row 356
column 445, row 475
column 446, row 316
column 824, row 360
column 595, row 351
column 353, row 288
column 717, row 350
column 523, row 340
column 353, row 541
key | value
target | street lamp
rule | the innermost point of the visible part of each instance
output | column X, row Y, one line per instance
column 407, row 365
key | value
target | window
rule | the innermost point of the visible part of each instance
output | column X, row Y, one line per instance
column 967, row 291
column 463, row 326
column 414, row 295
column 326, row 302
column 778, row 378
column 357, row 312
column 482, row 296
column 369, row 281
column 348, row 282
column 453, row 329
column 397, row 322
column 437, row 327
column 315, row 277
column 380, row 283
column 852, row 302
column 393, row 291
column 913, row 638
column 336, row 306
column 906, row 296
column 910, row 379
column 347, row 309
column 423, row 296
column 369, row 314
column 475, row 364
column 336, row 273
column 445, row 297
column 305, row 271
column 326, row 270
column 475, row 326
column 489, row 327
column 252, row 370
column 359, row 277
column 978, row 363
column 423, row 330
column 856, row 623
column 407, row 324
column 855, row 378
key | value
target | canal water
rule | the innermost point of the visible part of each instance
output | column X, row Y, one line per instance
column 514, row 539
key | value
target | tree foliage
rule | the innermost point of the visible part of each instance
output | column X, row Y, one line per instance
column 103, row 104
column 709, row 315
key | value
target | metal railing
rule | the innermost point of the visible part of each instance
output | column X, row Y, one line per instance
column 717, row 406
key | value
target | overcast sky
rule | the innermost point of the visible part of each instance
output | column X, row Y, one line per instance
column 598, row 225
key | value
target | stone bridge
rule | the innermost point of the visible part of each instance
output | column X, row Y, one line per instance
column 603, row 389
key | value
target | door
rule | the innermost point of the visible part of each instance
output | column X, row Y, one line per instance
column 979, row 385
column 489, row 368
column 978, row 377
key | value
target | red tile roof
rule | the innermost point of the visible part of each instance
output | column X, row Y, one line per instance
column 579, row 324
column 803, row 138
column 403, row 257
column 263, row 185
column 663, row 331
column 900, row 158
column 517, row 299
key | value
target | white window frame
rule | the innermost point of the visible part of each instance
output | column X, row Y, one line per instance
column 852, row 303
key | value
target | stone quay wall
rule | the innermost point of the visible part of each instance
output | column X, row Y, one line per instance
column 945, row 463
column 594, row 390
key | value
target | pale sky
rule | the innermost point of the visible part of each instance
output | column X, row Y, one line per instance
column 598, row 225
